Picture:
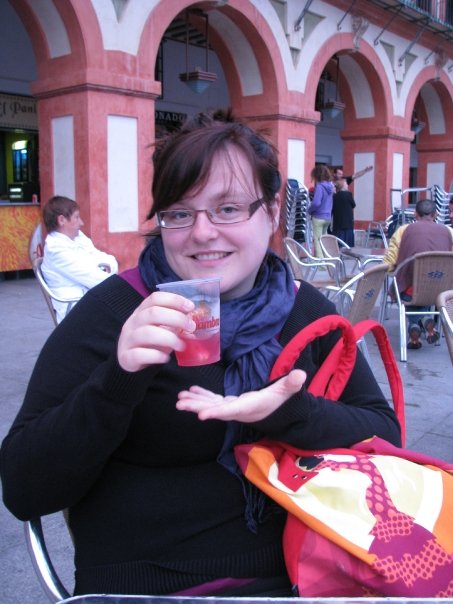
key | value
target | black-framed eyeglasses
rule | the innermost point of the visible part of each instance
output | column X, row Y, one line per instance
column 225, row 213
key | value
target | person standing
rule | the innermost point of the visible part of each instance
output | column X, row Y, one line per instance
column 320, row 208
column 72, row 264
column 343, row 213
column 338, row 174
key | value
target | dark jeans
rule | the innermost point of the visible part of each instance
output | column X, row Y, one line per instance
column 413, row 319
column 346, row 234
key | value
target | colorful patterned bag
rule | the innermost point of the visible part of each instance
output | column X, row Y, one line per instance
column 371, row 520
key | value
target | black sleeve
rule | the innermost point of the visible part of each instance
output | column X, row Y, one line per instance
column 311, row 422
column 77, row 408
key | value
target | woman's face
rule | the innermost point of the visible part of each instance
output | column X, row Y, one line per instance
column 233, row 252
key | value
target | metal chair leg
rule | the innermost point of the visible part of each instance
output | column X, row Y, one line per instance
column 364, row 350
column 403, row 333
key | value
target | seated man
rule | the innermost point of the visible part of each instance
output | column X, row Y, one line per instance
column 71, row 264
column 423, row 235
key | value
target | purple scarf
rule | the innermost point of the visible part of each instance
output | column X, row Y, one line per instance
column 249, row 346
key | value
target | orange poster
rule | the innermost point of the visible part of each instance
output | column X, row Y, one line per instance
column 17, row 224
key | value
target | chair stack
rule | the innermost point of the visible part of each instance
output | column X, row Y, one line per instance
column 442, row 200
column 296, row 203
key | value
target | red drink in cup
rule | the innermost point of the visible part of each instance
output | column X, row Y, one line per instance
column 202, row 346
column 200, row 351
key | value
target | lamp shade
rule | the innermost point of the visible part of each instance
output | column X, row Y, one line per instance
column 417, row 126
column 333, row 108
column 198, row 81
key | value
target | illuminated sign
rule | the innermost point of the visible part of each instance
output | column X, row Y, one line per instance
column 18, row 112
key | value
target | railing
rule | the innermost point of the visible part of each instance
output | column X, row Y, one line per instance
column 435, row 15
column 441, row 10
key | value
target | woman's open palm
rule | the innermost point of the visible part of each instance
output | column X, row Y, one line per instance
column 248, row 407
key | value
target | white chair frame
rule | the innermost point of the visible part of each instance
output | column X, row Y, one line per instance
column 48, row 293
column 42, row 564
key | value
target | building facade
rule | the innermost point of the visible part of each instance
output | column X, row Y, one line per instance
column 103, row 94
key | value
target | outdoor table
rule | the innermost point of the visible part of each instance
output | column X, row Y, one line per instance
column 108, row 599
column 364, row 255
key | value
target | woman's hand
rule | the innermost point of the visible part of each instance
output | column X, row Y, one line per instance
column 248, row 407
column 153, row 331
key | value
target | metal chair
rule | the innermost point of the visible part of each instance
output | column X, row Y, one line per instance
column 305, row 266
column 432, row 275
column 360, row 237
column 42, row 564
column 47, row 292
column 445, row 307
column 36, row 245
column 361, row 293
column 331, row 248
column 376, row 233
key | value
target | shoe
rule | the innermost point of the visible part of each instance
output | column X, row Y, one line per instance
column 414, row 335
column 414, row 345
column 432, row 335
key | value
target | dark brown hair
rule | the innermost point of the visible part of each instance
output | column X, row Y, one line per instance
column 58, row 206
column 425, row 207
column 183, row 161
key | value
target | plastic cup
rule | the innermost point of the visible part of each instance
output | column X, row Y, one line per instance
column 202, row 346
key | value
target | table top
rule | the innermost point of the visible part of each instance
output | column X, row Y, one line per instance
column 364, row 252
column 119, row 599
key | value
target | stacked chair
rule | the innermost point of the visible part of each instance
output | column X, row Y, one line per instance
column 298, row 226
column 442, row 200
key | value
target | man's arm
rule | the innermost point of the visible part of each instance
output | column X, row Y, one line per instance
column 391, row 254
column 361, row 172
column 106, row 262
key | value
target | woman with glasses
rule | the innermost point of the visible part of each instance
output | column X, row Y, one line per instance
column 139, row 449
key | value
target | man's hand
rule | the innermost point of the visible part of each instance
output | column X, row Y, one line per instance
column 248, row 407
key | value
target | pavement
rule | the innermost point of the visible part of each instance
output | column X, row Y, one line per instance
column 26, row 324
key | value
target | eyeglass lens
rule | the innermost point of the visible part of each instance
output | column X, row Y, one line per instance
column 224, row 214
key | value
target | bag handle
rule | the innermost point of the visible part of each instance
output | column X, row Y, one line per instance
column 391, row 367
column 333, row 375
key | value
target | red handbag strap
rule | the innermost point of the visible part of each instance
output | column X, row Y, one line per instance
column 391, row 367
column 333, row 375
